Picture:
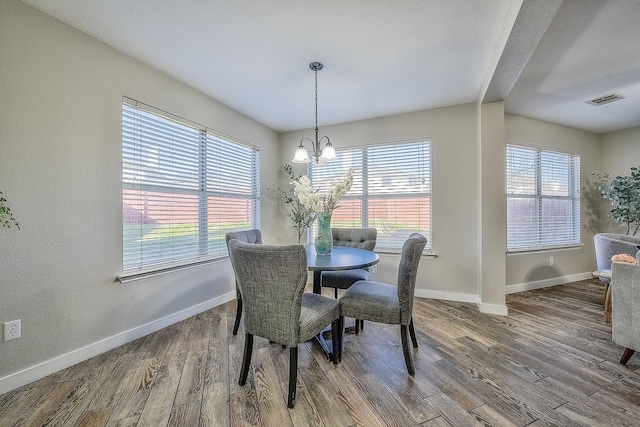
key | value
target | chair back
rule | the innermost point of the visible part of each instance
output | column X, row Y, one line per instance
column 361, row 238
column 272, row 280
column 407, row 272
column 247, row 236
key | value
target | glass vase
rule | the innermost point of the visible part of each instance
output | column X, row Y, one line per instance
column 324, row 237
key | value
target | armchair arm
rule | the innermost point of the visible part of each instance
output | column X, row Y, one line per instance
column 625, row 294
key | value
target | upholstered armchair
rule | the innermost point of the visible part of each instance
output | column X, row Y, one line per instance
column 625, row 310
column 386, row 303
column 272, row 280
column 248, row 236
column 610, row 244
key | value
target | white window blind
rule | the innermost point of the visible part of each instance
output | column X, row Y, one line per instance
column 543, row 198
column 183, row 188
column 391, row 191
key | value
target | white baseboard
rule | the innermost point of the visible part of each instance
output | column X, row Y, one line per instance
column 450, row 296
column 521, row 287
column 500, row 310
column 470, row 298
column 41, row 370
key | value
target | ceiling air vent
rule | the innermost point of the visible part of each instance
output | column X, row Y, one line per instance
column 606, row 99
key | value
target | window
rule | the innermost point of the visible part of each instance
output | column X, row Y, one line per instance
column 543, row 198
column 183, row 188
column 391, row 190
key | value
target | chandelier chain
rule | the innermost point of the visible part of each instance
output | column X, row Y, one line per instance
column 316, row 71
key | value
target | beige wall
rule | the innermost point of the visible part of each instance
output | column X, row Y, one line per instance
column 452, row 274
column 534, row 269
column 60, row 169
column 619, row 151
column 492, row 211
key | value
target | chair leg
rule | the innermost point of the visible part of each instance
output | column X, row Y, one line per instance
column 341, row 335
column 412, row 333
column 293, row 376
column 335, row 293
column 246, row 360
column 626, row 355
column 236, row 325
column 336, row 339
column 361, row 325
column 408, row 359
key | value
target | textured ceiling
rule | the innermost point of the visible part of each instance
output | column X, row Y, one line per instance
column 382, row 57
column 591, row 49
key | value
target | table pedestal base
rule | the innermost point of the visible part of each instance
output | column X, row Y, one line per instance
column 341, row 258
column 326, row 345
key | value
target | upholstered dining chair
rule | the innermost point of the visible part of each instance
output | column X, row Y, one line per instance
column 385, row 303
column 272, row 280
column 361, row 238
column 249, row 236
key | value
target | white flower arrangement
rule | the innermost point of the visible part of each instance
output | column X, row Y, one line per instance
column 322, row 203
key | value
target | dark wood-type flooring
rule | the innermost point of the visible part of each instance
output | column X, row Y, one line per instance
column 550, row 362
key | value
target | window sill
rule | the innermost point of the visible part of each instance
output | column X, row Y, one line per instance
column 428, row 254
column 528, row 251
column 132, row 276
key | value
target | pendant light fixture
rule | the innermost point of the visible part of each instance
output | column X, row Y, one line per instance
column 328, row 153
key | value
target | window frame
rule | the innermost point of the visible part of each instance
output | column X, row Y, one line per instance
column 199, row 159
column 573, row 198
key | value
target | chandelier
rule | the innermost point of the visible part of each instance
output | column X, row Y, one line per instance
column 327, row 153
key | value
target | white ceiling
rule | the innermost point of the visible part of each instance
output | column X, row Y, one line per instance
column 545, row 58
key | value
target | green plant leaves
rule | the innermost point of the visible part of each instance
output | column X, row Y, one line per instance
column 6, row 216
column 624, row 194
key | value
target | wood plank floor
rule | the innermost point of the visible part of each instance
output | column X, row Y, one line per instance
column 550, row 362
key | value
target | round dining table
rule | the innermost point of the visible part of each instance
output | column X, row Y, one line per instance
column 340, row 258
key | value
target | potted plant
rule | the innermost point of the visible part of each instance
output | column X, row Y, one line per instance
column 6, row 216
column 624, row 194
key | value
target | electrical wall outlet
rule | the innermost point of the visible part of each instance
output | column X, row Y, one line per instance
column 373, row 269
column 550, row 260
column 12, row 330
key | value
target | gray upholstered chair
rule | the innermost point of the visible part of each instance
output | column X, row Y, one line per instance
column 248, row 236
column 272, row 280
column 384, row 303
column 625, row 310
column 361, row 238
column 610, row 244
